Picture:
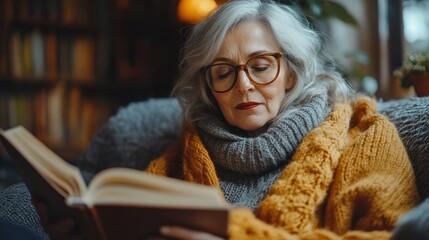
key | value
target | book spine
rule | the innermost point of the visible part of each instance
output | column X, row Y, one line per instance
column 55, row 102
column 26, row 53
column 40, row 116
column 37, row 54
column 83, row 59
column 16, row 55
column 51, row 56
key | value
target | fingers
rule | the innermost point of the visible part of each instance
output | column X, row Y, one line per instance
column 41, row 211
column 184, row 233
column 61, row 229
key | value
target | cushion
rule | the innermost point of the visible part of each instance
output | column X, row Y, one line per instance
column 414, row 225
column 138, row 133
column 17, row 211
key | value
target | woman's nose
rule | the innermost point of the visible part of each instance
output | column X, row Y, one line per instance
column 243, row 84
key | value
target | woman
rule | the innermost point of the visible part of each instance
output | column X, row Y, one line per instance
column 282, row 135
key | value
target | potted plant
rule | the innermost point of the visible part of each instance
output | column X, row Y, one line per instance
column 415, row 72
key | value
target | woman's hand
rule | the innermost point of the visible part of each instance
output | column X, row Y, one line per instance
column 62, row 229
column 185, row 233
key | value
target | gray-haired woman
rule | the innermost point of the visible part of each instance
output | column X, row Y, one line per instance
column 281, row 135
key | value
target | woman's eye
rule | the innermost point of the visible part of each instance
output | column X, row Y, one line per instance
column 260, row 68
column 260, row 65
column 224, row 73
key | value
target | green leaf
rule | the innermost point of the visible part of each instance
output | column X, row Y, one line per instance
column 336, row 10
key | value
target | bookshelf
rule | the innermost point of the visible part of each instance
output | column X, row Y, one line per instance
column 67, row 65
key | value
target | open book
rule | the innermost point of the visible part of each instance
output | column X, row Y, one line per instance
column 118, row 203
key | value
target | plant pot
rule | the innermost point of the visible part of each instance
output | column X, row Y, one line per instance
column 421, row 84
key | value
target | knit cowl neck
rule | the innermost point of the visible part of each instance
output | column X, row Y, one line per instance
column 233, row 149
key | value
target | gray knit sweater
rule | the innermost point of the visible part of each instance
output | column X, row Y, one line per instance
column 248, row 166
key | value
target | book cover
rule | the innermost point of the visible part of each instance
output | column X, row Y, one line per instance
column 40, row 188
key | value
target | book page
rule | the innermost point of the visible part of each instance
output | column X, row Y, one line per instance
column 63, row 176
column 137, row 187
column 126, row 195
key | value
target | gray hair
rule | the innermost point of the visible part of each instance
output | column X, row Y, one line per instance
column 298, row 42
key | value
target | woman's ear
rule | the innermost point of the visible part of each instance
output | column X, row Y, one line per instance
column 290, row 80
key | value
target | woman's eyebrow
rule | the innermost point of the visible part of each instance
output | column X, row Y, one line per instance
column 224, row 59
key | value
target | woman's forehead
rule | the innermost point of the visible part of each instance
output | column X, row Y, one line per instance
column 246, row 39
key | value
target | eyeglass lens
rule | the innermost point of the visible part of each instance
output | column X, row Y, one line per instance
column 260, row 69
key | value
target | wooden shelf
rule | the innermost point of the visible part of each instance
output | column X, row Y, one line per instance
column 91, row 67
column 50, row 25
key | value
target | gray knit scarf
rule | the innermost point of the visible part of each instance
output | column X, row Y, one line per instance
column 248, row 166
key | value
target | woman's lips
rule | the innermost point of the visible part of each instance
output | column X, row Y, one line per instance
column 247, row 105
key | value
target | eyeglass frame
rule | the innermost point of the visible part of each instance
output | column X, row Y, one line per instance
column 238, row 67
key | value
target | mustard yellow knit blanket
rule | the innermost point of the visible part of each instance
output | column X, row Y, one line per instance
column 350, row 178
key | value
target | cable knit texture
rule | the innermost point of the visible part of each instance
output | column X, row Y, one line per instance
column 411, row 117
column 231, row 149
column 350, row 178
column 248, row 166
column 305, row 182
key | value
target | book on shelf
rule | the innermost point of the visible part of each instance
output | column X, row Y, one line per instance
column 40, row 116
column 51, row 55
column 21, row 9
column 37, row 54
column 33, row 54
column 74, row 114
column 26, row 53
column 16, row 56
column 64, row 56
column 118, row 203
column 83, row 58
column 68, row 11
column 55, row 102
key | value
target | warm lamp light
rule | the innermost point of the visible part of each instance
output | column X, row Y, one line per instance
column 193, row 11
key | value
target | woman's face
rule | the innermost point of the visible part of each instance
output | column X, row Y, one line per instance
column 247, row 105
